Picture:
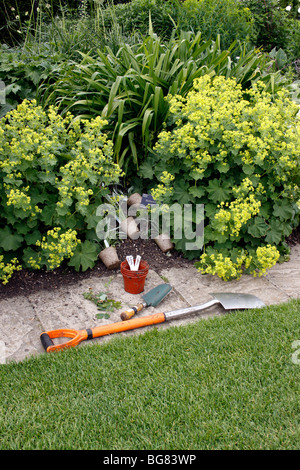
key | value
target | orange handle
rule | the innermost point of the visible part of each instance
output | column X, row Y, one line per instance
column 80, row 335
column 76, row 337
column 128, row 325
column 129, row 313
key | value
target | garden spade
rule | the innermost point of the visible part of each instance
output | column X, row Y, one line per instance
column 153, row 298
column 227, row 300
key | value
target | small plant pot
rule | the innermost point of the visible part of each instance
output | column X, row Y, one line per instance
column 134, row 281
column 135, row 198
column 130, row 228
column 110, row 258
column 164, row 242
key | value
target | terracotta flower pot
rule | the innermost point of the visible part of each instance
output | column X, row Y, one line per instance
column 109, row 257
column 164, row 242
column 134, row 281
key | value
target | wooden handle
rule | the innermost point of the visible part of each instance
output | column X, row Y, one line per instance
column 132, row 311
column 128, row 325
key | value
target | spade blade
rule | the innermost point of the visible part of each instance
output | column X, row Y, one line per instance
column 233, row 301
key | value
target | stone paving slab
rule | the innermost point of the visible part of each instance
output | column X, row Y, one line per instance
column 19, row 328
column 68, row 306
column 195, row 287
column 286, row 277
column 24, row 318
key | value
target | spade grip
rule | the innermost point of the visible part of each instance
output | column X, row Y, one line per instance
column 76, row 336
column 132, row 311
column 153, row 298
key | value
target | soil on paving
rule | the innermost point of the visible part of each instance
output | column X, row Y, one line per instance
column 26, row 282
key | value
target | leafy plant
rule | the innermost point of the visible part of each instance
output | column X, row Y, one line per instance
column 228, row 18
column 54, row 173
column 31, row 13
column 133, row 16
column 23, row 70
column 274, row 26
column 236, row 152
column 128, row 88
column 103, row 302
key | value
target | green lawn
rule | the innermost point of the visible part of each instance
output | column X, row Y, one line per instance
column 224, row 383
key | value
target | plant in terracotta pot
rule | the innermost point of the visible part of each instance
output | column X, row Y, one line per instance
column 127, row 224
column 109, row 233
column 164, row 242
column 160, row 233
column 109, row 256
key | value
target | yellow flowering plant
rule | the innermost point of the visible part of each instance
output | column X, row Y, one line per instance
column 54, row 172
column 237, row 152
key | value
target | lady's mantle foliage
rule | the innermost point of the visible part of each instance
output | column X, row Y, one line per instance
column 238, row 153
column 54, row 173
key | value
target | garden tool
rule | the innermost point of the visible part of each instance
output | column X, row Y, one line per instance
column 153, row 298
column 227, row 300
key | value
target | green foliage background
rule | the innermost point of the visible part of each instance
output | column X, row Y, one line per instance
column 53, row 176
column 120, row 62
column 238, row 153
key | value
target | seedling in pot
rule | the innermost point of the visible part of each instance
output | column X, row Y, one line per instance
column 109, row 256
column 127, row 225
column 162, row 240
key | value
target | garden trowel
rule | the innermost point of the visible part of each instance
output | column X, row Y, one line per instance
column 152, row 298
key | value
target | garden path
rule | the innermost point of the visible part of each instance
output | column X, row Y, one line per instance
column 24, row 317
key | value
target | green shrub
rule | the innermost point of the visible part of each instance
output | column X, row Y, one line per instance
column 53, row 175
column 133, row 16
column 228, row 18
column 238, row 153
column 276, row 27
column 128, row 87
column 24, row 70
column 210, row 17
